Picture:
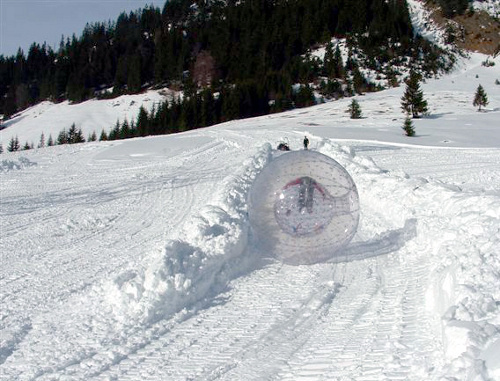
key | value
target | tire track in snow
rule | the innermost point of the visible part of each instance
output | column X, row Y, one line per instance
column 287, row 329
column 160, row 185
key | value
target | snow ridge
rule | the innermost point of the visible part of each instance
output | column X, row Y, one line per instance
column 20, row 163
column 210, row 251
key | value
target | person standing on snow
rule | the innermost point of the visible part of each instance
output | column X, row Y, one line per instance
column 306, row 142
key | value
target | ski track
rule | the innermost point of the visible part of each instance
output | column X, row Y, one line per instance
column 360, row 320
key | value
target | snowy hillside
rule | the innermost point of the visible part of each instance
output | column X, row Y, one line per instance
column 134, row 259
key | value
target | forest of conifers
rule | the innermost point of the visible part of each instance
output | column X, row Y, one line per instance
column 231, row 58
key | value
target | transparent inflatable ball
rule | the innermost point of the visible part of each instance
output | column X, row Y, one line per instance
column 303, row 207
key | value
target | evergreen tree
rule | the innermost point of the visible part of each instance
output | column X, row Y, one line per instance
column 134, row 74
column 114, row 134
column 358, row 81
column 62, row 138
column 208, row 108
column 480, row 99
column 26, row 146
column 304, row 97
column 408, row 126
column 338, row 64
column 75, row 135
column 413, row 101
column 103, row 136
column 92, row 137
column 328, row 61
column 355, row 109
column 1, row 148
column 41, row 144
column 125, row 131
column 50, row 142
column 13, row 144
column 142, row 122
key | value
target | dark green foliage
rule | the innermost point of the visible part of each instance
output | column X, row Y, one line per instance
column 103, row 136
column 114, row 134
column 254, row 53
column 408, row 127
column 13, row 145
column 41, row 144
column 1, row 148
column 355, row 109
column 413, row 102
column 75, row 135
column 480, row 98
column 304, row 96
column 248, row 41
column 331, row 89
column 452, row 8
column 142, row 122
column 92, row 137
column 62, row 138
column 72, row 136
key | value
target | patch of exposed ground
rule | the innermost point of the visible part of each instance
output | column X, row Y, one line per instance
column 473, row 31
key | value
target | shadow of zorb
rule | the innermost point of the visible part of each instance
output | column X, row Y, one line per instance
column 303, row 207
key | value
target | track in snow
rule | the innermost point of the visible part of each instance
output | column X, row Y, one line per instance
column 363, row 319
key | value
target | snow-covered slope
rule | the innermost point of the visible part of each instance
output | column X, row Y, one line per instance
column 134, row 260
column 50, row 118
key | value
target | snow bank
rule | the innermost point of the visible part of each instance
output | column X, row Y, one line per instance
column 210, row 250
column 462, row 255
column 20, row 163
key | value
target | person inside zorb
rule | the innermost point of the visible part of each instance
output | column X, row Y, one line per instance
column 307, row 186
column 303, row 207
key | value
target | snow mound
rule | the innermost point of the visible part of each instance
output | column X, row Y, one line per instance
column 21, row 163
column 211, row 249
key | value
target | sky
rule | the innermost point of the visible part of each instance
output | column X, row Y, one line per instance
column 23, row 22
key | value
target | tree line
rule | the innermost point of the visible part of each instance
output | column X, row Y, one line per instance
column 168, row 118
column 256, row 46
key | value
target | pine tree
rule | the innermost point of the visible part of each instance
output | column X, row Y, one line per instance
column 304, row 96
column 103, row 136
column 92, row 137
column 125, row 131
column 114, row 134
column 62, row 138
column 413, row 101
column 355, row 109
column 50, row 142
column 142, row 122
column 13, row 144
column 480, row 99
column 41, row 144
column 75, row 135
column 1, row 148
column 358, row 81
column 408, row 127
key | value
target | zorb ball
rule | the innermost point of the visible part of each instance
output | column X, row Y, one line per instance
column 303, row 207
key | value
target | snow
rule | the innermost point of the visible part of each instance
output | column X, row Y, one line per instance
column 490, row 6
column 424, row 25
column 134, row 259
column 51, row 118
